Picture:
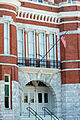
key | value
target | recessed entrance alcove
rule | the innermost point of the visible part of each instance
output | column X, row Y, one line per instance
column 40, row 88
column 37, row 95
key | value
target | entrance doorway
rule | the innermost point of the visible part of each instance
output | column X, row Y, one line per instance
column 35, row 95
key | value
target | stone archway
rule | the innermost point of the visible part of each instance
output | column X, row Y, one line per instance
column 50, row 78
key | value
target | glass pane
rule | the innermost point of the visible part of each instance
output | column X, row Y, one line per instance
column 25, row 97
column 7, row 90
column 31, row 97
column 39, row 97
column 6, row 78
column 45, row 97
column 20, row 41
column 6, row 38
column 7, row 102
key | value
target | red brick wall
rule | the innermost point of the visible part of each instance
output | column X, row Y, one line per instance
column 7, row 13
column 36, row 23
column 69, row 77
column 1, row 38
column 11, row 70
column 8, row 59
column 13, row 40
column 7, row 7
column 38, row 6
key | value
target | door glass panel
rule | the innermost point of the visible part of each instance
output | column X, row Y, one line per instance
column 6, row 90
column 31, row 97
column 39, row 97
column 45, row 97
column 25, row 97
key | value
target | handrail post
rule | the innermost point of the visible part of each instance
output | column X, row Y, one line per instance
column 44, row 112
column 51, row 116
column 29, row 111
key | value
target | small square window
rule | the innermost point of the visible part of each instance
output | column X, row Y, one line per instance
column 7, row 90
column 6, row 78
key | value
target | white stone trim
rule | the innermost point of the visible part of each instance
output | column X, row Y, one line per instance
column 4, row 9
column 9, row 64
column 72, row 69
column 51, row 16
column 37, row 27
column 70, row 61
column 71, row 32
column 38, row 3
column 37, row 70
column 8, row 55
column 69, row 22
column 62, row 4
column 7, row 18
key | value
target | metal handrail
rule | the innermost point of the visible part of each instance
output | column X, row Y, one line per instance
column 49, row 113
column 34, row 113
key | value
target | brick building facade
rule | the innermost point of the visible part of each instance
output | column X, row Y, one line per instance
column 34, row 75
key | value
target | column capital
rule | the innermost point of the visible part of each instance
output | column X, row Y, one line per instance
column 37, row 33
column 47, row 33
column 26, row 32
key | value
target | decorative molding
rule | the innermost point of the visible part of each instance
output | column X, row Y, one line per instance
column 61, row 4
column 71, row 32
column 8, row 55
column 7, row 18
column 72, row 69
column 9, row 64
column 70, row 61
column 38, row 28
column 37, row 70
column 38, row 15
column 3, row 9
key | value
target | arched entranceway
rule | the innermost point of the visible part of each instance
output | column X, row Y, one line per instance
column 50, row 79
column 37, row 95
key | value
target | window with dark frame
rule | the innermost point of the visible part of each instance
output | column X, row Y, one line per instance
column 7, row 86
column 39, row 97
